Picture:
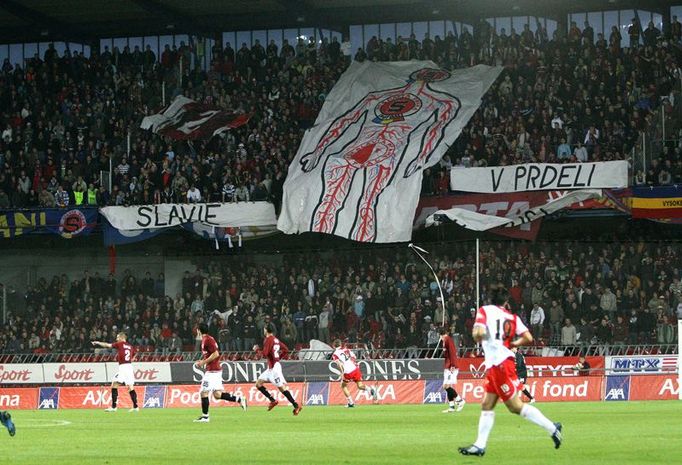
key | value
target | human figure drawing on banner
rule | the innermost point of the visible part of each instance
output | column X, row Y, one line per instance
column 414, row 114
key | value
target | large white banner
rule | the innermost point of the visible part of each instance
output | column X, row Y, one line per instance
column 144, row 372
column 482, row 222
column 21, row 373
column 358, row 171
column 71, row 373
column 165, row 215
column 540, row 177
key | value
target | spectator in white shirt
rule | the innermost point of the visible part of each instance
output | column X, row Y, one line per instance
column 537, row 320
column 193, row 194
column 580, row 153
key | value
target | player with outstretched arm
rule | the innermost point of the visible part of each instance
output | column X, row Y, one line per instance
column 125, row 375
column 450, row 372
column 212, row 381
column 499, row 331
column 346, row 361
column 274, row 350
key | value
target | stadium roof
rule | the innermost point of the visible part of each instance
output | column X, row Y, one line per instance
column 84, row 20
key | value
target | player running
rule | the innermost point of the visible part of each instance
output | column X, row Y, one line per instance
column 124, row 356
column 212, row 381
column 274, row 350
column 6, row 420
column 497, row 329
column 450, row 372
column 345, row 360
column 522, row 373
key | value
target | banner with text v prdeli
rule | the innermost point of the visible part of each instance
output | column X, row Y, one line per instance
column 166, row 215
column 358, row 170
column 540, row 176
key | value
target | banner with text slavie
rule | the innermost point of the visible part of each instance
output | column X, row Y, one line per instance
column 540, row 176
column 238, row 214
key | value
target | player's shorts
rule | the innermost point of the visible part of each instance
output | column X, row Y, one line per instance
column 125, row 375
column 212, row 381
column 450, row 377
column 502, row 380
column 522, row 381
column 274, row 375
column 355, row 375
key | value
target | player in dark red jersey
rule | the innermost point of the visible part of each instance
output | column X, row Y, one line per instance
column 450, row 372
column 213, row 375
column 273, row 351
column 124, row 356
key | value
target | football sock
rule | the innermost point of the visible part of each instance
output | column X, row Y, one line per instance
column 266, row 393
column 350, row 400
column 290, row 398
column 204, row 406
column 229, row 397
column 527, row 393
column 531, row 413
column 114, row 397
column 133, row 397
column 485, row 426
column 451, row 394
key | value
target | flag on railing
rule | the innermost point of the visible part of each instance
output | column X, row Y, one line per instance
column 186, row 119
column 657, row 202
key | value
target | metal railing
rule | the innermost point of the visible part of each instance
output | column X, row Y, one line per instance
column 104, row 355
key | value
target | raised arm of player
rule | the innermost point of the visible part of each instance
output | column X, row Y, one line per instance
column 479, row 331
column 524, row 336
column 105, row 345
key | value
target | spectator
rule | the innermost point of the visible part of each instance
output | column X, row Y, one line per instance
column 537, row 320
column 61, row 198
column 568, row 333
column 193, row 195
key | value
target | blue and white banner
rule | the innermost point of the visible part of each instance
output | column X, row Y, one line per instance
column 358, row 170
column 66, row 222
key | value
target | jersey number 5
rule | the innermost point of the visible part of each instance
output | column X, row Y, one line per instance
column 506, row 328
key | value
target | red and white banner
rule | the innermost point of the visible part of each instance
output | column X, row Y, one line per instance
column 388, row 392
column 582, row 388
column 81, row 373
column 654, row 387
column 186, row 119
column 483, row 222
column 21, row 373
column 537, row 366
column 144, row 372
column 18, row 398
column 188, row 395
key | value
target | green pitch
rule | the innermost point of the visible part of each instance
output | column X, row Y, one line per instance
column 594, row 433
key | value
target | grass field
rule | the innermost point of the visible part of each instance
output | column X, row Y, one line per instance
column 594, row 433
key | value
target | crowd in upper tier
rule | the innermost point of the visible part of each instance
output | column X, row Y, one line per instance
column 574, row 97
column 567, row 294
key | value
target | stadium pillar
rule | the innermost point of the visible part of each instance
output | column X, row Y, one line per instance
column 667, row 19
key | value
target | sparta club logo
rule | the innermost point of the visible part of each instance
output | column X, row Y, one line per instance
column 396, row 108
column 72, row 223
column 430, row 75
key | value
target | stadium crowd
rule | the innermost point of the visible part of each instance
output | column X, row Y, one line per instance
column 567, row 98
column 569, row 294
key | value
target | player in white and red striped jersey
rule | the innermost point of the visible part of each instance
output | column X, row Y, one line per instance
column 499, row 331
column 124, row 356
column 346, row 361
